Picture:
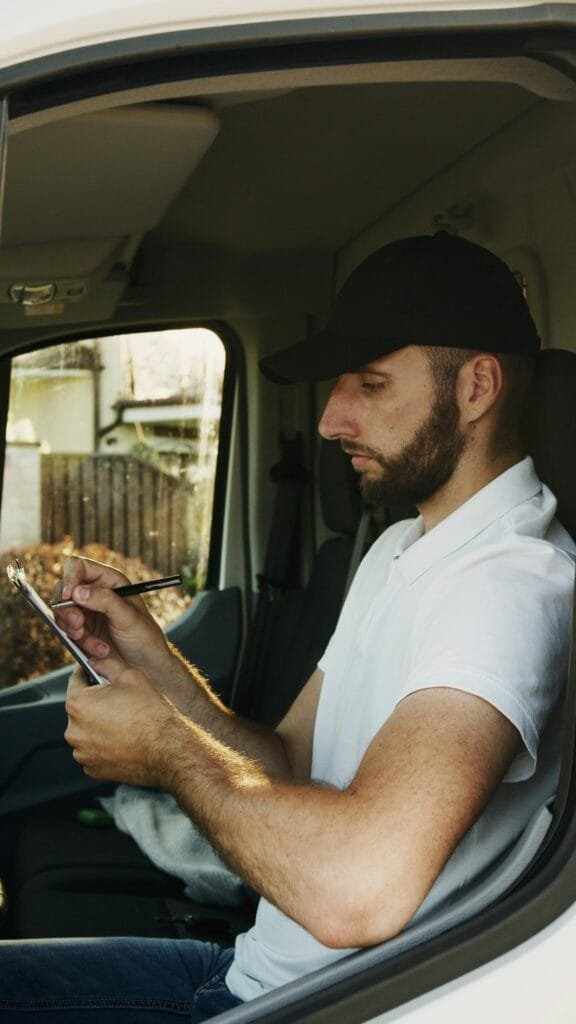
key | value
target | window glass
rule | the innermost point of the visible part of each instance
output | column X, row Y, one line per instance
column 111, row 453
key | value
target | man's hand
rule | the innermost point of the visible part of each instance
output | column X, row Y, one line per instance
column 103, row 623
column 119, row 631
column 118, row 731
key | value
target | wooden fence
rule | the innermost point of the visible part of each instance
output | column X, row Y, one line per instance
column 120, row 501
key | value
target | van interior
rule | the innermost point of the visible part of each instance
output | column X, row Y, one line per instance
column 233, row 190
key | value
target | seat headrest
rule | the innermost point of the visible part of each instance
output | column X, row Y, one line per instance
column 338, row 490
column 552, row 429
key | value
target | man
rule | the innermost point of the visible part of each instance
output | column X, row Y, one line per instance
column 416, row 752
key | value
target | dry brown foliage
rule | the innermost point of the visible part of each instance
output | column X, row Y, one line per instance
column 27, row 647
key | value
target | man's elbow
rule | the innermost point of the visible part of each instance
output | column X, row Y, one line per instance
column 346, row 925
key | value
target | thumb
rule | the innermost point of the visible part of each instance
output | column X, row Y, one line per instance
column 119, row 611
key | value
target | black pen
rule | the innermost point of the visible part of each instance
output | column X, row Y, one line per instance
column 133, row 588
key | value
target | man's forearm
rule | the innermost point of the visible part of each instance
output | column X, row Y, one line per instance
column 191, row 693
column 272, row 830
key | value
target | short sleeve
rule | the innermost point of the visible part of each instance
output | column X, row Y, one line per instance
column 496, row 623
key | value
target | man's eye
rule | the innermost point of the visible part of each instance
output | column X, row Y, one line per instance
column 372, row 385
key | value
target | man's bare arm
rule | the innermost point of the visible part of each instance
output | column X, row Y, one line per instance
column 103, row 623
column 351, row 866
column 285, row 751
column 296, row 730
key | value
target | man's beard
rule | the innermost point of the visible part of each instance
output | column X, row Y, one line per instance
column 426, row 463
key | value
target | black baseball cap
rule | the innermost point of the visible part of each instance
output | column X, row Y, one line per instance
column 436, row 290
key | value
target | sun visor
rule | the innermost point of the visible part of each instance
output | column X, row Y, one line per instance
column 79, row 195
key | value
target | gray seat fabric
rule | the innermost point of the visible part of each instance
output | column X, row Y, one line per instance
column 300, row 622
column 552, row 429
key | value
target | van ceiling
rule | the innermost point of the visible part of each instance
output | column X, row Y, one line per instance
column 316, row 167
column 227, row 204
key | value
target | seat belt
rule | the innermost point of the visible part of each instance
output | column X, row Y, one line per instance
column 565, row 781
column 565, row 791
column 281, row 569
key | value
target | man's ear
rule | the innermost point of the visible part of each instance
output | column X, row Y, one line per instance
column 479, row 386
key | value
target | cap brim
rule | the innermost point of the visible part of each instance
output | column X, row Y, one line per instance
column 323, row 356
column 299, row 362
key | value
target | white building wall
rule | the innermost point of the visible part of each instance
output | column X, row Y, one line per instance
column 54, row 410
column 20, row 524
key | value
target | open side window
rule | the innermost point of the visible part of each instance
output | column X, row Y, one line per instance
column 111, row 452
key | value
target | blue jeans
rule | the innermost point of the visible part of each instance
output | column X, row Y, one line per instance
column 104, row 981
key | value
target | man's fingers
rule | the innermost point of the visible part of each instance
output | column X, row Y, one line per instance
column 103, row 623
column 96, row 648
column 77, row 570
column 71, row 620
column 73, row 573
column 120, row 612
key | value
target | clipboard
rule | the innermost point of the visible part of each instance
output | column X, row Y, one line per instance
column 17, row 577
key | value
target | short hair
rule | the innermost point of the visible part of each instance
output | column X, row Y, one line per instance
column 518, row 372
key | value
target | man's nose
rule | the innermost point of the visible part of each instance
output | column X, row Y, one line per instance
column 336, row 420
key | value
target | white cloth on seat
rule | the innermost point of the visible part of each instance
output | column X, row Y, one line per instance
column 174, row 844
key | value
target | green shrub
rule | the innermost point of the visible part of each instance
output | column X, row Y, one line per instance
column 28, row 649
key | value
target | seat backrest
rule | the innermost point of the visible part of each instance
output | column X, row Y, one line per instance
column 552, row 429
column 338, row 491
column 299, row 623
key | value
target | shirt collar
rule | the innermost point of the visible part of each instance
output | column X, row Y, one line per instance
column 416, row 551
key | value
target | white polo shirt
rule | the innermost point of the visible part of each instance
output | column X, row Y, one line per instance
column 481, row 603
